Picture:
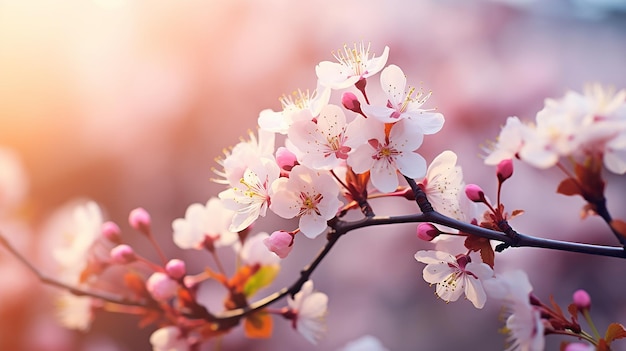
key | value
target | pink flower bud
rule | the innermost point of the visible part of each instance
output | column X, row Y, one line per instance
column 139, row 219
column 122, row 254
column 161, row 286
column 504, row 170
column 285, row 158
column 280, row 243
column 582, row 300
column 176, row 268
column 112, row 232
column 475, row 193
column 351, row 102
column 427, row 231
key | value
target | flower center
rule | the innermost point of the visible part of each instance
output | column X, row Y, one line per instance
column 354, row 58
column 309, row 204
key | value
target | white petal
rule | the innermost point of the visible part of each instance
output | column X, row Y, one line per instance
column 429, row 122
column 393, row 82
column 432, row 256
column 312, row 225
column 411, row 164
column 474, row 291
column 436, row 272
column 381, row 113
column 384, row 176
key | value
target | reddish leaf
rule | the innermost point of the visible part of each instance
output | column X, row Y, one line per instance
column 573, row 311
column 619, row 226
column 148, row 318
column 136, row 284
column 258, row 325
column 516, row 213
column 482, row 245
column 556, row 308
column 569, row 187
column 602, row 346
column 238, row 281
column 614, row 331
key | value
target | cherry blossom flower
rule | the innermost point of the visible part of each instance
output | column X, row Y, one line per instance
column 243, row 154
column 455, row 276
column 169, row 338
column 80, row 252
column 74, row 312
column 321, row 143
column 524, row 323
column 299, row 106
column 250, row 198
column 83, row 250
column 202, row 223
column 510, row 141
column 403, row 104
column 383, row 157
column 308, row 310
column 354, row 64
column 308, row 194
column 443, row 185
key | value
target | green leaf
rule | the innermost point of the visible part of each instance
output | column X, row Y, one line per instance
column 262, row 278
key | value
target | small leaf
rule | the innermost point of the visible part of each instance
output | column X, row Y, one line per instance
column 556, row 307
column 149, row 317
column 136, row 284
column 573, row 311
column 619, row 226
column 482, row 245
column 258, row 325
column 602, row 346
column 614, row 331
column 262, row 278
column 239, row 280
column 516, row 213
column 569, row 187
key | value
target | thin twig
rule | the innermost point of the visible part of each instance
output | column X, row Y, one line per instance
column 72, row 289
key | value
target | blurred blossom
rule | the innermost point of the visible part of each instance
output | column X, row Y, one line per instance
column 364, row 343
column 13, row 180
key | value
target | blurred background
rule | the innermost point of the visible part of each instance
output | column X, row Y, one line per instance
column 129, row 102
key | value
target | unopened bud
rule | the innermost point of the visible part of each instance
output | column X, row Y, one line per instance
column 161, row 286
column 582, row 300
column 280, row 243
column 176, row 268
column 427, row 231
column 351, row 102
column 139, row 219
column 475, row 193
column 285, row 159
column 122, row 254
column 504, row 170
column 112, row 232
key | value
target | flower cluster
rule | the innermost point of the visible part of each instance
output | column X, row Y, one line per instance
column 323, row 154
column 578, row 126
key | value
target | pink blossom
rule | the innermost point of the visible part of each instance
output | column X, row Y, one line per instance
column 307, row 194
column 354, row 64
column 384, row 157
